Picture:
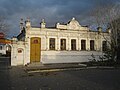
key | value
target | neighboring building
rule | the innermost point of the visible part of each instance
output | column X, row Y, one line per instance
column 64, row 43
column 4, row 45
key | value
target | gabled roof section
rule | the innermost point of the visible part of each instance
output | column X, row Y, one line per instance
column 71, row 25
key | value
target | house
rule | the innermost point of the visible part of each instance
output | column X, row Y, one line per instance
column 64, row 43
column 5, row 47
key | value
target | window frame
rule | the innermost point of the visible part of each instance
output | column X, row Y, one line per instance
column 52, row 43
column 1, row 47
column 62, row 45
column 73, row 44
column 104, row 46
column 92, row 45
column 83, row 45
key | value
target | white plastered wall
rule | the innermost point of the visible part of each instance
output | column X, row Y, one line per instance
column 68, row 56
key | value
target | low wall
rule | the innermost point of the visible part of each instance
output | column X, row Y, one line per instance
column 67, row 56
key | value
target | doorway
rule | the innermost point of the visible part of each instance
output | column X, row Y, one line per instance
column 35, row 49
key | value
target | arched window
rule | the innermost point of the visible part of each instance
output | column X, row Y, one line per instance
column 35, row 41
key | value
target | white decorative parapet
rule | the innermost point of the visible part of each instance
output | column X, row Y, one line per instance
column 72, row 25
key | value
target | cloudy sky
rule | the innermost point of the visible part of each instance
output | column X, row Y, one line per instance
column 51, row 10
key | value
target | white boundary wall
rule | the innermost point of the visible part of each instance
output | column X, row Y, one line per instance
column 67, row 56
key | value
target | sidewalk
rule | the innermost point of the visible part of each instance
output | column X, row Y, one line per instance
column 38, row 67
column 35, row 67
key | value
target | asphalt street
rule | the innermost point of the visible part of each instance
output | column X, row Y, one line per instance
column 4, row 74
column 16, row 78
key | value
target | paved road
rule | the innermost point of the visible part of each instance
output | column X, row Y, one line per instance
column 4, row 74
column 88, row 79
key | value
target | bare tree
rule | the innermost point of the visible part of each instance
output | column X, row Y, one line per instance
column 4, row 27
column 109, row 17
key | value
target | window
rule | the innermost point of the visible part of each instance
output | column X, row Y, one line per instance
column 73, row 44
column 63, row 44
column 20, row 51
column 0, row 47
column 83, row 44
column 35, row 41
column 104, row 45
column 52, row 43
column 92, row 45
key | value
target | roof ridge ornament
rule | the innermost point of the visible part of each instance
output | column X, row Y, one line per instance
column 43, row 21
column 43, row 24
column 28, row 19
column 21, row 24
column 28, row 23
column 73, row 18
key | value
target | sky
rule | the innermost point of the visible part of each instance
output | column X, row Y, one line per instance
column 52, row 11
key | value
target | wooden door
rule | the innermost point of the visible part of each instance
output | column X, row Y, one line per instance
column 35, row 49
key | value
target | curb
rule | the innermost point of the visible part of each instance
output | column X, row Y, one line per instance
column 65, row 69
column 54, row 70
column 4, row 57
column 99, row 67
